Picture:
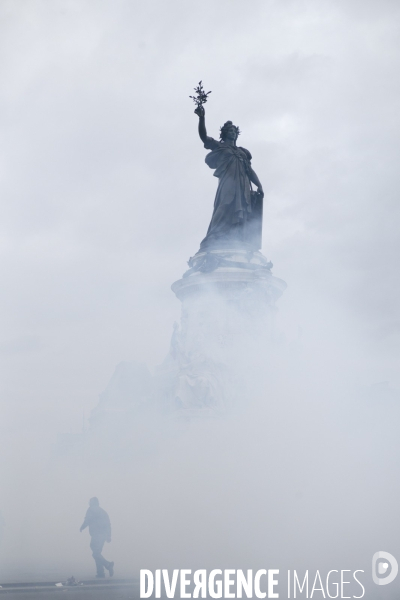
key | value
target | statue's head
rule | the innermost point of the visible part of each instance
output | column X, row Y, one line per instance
column 94, row 502
column 229, row 131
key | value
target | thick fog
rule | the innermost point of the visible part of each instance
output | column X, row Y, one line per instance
column 105, row 196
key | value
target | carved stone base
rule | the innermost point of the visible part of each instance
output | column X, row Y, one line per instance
column 228, row 304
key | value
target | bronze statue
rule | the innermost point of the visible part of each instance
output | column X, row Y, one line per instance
column 236, row 221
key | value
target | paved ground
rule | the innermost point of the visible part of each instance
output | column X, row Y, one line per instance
column 90, row 590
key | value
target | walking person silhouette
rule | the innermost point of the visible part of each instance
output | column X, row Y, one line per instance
column 99, row 525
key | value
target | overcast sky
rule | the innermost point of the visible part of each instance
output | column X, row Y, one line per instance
column 105, row 193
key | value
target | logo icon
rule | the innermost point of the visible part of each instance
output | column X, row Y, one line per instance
column 384, row 564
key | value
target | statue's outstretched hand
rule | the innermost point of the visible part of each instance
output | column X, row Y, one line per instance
column 260, row 191
column 200, row 112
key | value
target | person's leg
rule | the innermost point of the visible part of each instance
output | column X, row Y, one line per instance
column 96, row 545
column 111, row 568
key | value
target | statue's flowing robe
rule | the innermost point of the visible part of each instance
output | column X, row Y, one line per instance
column 231, row 219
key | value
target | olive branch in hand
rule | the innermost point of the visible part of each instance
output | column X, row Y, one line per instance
column 201, row 97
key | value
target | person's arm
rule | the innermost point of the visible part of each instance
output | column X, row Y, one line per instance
column 84, row 525
column 200, row 112
column 254, row 179
column 85, row 522
column 108, row 538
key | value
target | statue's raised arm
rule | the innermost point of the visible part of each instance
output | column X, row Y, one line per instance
column 202, row 123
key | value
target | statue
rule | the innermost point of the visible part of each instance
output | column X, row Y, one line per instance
column 228, row 293
column 236, row 221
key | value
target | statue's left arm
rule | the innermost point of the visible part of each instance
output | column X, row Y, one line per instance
column 254, row 179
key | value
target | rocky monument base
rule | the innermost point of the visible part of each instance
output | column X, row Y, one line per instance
column 228, row 304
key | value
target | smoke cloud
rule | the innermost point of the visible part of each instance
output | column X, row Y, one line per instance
column 106, row 196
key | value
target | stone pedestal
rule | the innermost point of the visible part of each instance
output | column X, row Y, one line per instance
column 228, row 304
